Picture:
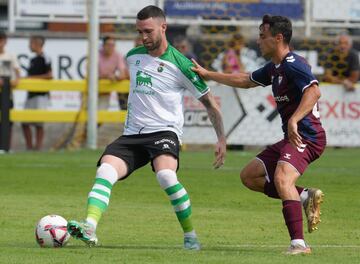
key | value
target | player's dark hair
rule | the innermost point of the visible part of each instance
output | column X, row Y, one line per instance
column 150, row 11
column 3, row 35
column 278, row 25
column 39, row 38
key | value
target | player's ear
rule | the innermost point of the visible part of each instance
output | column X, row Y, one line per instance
column 279, row 37
column 163, row 27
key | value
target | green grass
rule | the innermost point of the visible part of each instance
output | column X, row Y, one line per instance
column 234, row 224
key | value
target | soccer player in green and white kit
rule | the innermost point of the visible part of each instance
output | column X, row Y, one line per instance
column 159, row 76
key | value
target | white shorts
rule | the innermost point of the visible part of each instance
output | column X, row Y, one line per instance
column 37, row 102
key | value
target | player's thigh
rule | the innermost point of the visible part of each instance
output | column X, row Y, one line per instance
column 285, row 175
column 165, row 161
column 254, row 169
column 163, row 149
column 119, row 164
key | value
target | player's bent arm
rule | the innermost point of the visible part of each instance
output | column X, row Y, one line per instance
column 309, row 99
column 215, row 117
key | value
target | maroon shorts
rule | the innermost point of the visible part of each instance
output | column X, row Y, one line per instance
column 300, row 158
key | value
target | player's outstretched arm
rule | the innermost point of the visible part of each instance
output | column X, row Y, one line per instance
column 239, row 80
column 215, row 116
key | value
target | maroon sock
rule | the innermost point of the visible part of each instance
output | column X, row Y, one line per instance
column 270, row 190
column 293, row 218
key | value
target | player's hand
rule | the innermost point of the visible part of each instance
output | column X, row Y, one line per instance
column 293, row 134
column 220, row 153
column 200, row 70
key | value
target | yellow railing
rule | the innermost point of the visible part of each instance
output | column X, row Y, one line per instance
column 36, row 85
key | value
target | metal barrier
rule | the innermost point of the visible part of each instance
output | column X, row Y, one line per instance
column 36, row 85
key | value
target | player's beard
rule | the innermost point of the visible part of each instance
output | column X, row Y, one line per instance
column 154, row 45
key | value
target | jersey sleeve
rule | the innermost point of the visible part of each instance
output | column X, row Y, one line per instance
column 193, row 82
column 300, row 73
column 262, row 76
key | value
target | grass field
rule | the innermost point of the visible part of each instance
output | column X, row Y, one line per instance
column 234, row 224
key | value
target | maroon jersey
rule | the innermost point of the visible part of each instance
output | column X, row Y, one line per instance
column 289, row 80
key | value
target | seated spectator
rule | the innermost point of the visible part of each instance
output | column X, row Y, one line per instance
column 112, row 66
column 345, row 70
column 182, row 44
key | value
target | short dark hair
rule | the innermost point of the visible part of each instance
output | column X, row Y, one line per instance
column 106, row 38
column 40, row 38
column 150, row 11
column 278, row 25
column 3, row 35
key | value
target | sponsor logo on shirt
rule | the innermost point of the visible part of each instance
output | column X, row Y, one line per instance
column 283, row 98
column 143, row 79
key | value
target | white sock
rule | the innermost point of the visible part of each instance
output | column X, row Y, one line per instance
column 91, row 221
column 304, row 195
column 190, row 234
column 300, row 242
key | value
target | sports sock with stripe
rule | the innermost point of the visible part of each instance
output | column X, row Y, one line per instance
column 99, row 196
column 178, row 198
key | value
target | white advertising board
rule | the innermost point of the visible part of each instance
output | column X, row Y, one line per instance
column 250, row 116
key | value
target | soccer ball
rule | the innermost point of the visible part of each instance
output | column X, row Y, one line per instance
column 51, row 231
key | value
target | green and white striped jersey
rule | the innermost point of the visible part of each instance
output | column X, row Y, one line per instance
column 157, row 86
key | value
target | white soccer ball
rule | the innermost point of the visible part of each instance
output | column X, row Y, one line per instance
column 51, row 231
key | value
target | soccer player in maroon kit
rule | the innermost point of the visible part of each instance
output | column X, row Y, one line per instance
column 296, row 91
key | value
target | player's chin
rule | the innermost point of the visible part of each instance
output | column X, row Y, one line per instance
column 149, row 46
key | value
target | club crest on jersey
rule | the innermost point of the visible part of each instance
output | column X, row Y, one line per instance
column 280, row 79
column 137, row 62
column 161, row 67
column 143, row 79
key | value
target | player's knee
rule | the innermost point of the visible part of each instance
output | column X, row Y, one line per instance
column 108, row 172
column 281, row 182
column 246, row 178
column 166, row 178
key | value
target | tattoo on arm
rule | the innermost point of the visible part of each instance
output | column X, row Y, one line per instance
column 214, row 114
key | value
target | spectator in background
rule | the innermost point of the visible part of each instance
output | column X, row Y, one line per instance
column 112, row 66
column 39, row 68
column 347, row 70
column 231, row 62
column 6, row 57
column 182, row 44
